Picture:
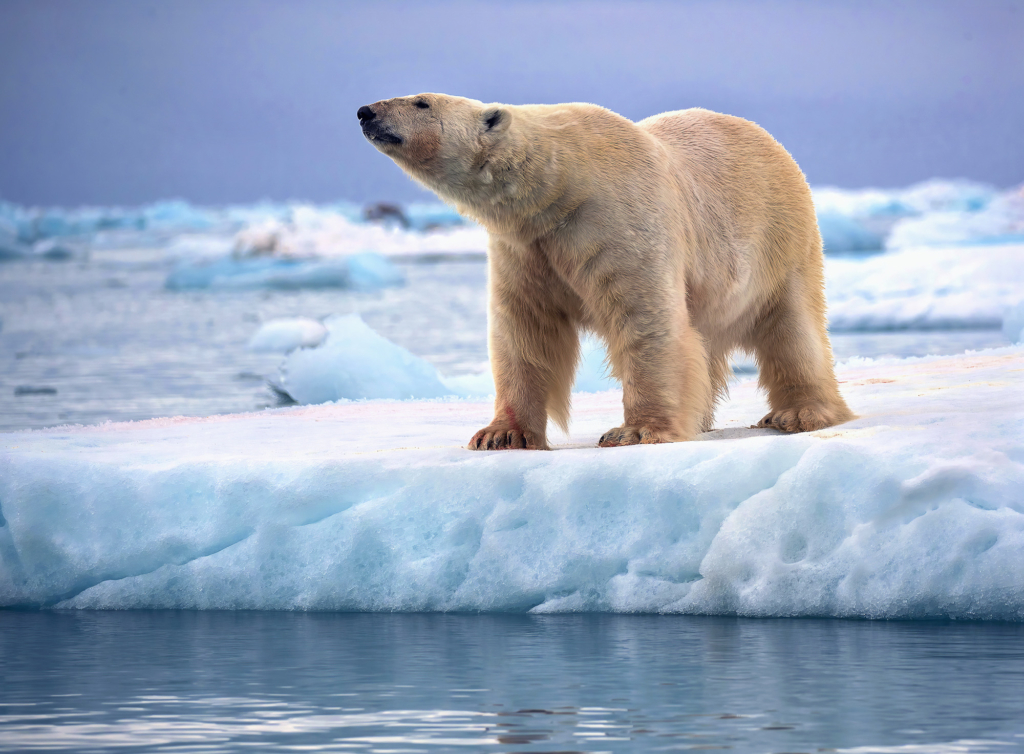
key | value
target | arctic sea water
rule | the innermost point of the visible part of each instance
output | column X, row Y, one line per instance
column 222, row 681
column 124, row 315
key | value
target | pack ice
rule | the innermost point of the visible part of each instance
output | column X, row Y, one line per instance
column 913, row 510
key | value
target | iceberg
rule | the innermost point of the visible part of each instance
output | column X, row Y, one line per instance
column 912, row 511
column 363, row 271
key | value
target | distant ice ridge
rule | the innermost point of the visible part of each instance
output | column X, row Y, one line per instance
column 312, row 232
column 914, row 511
column 933, row 213
column 353, row 362
column 362, row 271
column 1000, row 221
column 925, row 288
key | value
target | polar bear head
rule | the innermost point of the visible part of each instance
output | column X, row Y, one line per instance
column 452, row 145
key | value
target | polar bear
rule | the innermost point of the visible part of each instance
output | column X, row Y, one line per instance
column 676, row 240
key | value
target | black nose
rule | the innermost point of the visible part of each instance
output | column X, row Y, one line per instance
column 365, row 114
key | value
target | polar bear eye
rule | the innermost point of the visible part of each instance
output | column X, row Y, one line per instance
column 422, row 105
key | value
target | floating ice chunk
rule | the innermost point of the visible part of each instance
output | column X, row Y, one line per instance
column 365, row 271
column 913, row 511
column 925, row 288
column 1013, row 323
column 355, row 362
column 284, row 335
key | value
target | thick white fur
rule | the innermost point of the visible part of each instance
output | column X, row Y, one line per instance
column 676, row 239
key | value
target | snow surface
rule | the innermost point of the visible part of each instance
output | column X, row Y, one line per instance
column 913, row 510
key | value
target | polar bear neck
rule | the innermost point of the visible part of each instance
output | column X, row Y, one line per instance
column 521, row 189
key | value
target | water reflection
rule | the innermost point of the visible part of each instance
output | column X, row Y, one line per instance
column 180, row 682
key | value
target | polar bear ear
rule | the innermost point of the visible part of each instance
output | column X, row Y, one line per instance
column 496, row 119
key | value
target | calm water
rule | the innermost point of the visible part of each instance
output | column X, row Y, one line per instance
column 108, row 342
column 170, row 681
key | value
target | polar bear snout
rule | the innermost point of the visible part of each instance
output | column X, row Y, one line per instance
column 374, row 128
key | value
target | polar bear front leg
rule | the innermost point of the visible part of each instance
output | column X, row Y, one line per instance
column 534, row 348
column 531, row 366
column 666, row 387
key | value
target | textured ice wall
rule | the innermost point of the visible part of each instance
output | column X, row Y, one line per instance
column 914, row 510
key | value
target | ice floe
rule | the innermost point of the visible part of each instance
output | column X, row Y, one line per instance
column 913, row 510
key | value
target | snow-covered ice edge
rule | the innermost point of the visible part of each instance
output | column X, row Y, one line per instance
column 913, row 510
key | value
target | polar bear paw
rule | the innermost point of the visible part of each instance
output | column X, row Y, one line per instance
column 630, row 436
column 805, row 419
column 503, row 437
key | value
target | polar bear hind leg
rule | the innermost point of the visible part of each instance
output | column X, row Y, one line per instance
column 794, row 358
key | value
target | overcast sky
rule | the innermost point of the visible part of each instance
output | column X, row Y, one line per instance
column 128, row 101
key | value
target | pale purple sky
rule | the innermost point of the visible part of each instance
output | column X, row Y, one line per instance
column 128, row 101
